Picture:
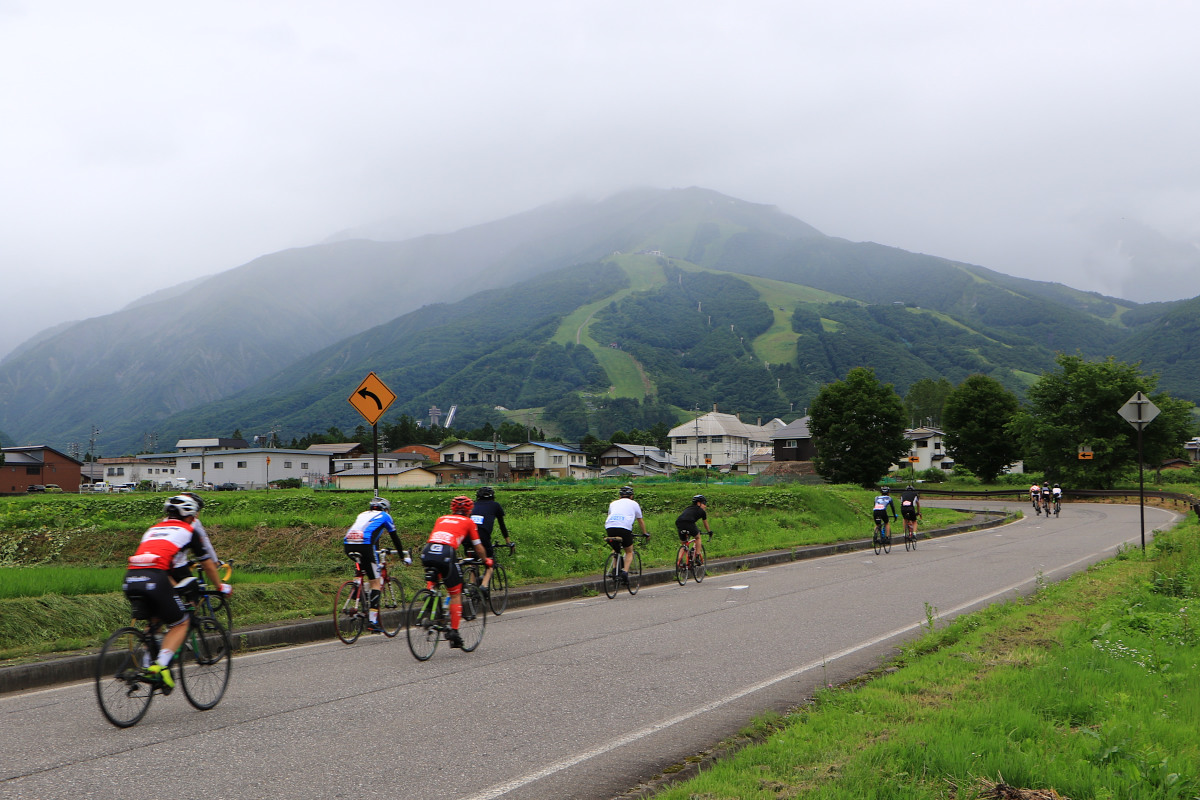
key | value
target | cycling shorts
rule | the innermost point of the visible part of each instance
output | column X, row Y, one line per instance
column 626, row 537
column 441, row 563
column 486, row 538
column 686, row 534
column 908, row 512
column 152, row 596
column 367, row 555
column 881, row 515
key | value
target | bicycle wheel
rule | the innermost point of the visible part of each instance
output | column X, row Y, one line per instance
column 681, row 566
column 910, row 541
column 498, row 590
column 349, row 612
column 474, row 617
column 204, row 662
column 877, row 540
column 391, row 607
column 421, row 624
column 698, row 568
column 612, row 573
column 887, row 543
column 123, row 695
column 217, row 605
column 635, row 573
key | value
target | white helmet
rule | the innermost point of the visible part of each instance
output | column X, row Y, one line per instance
column 180, row 506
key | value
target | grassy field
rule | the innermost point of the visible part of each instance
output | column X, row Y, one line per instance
column 1088, row 690
column 76, row 544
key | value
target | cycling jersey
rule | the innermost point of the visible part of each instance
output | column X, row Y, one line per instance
column 622, row 513
column 486, row 513
column 1035, row 490
column 908, row 505
column 453, row 530
column 685, row 523
column 882, row 506
column 439, row 553
column 163, row 544
column 368, row 527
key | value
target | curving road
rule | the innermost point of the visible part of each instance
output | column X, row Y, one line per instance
column 580, row 699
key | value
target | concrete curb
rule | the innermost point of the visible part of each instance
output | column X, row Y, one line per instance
column 66, row 669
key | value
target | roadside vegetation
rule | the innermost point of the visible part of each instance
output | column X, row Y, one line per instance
column 62, row 556
column 1088, row 689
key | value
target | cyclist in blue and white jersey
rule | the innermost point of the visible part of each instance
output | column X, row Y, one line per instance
column 362, row 539
column 881, row 508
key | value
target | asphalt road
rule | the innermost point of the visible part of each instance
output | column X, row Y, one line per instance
column 580, row 699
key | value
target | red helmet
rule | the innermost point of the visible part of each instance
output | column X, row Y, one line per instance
column 461, row 505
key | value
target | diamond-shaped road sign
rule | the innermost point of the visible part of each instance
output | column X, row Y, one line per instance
column 372, row 398
column 1138, row 411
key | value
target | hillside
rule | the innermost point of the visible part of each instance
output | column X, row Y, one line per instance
column 459, row 318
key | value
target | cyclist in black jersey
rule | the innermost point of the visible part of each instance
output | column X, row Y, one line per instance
column 686, row 525
column 487, row 513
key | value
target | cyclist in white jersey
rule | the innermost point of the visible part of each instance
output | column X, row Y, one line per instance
column 619, row 524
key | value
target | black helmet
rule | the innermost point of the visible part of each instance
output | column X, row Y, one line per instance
column 626, row 491
column 884, row 490
column 699, row 499
column 910, row 488
column 485, row 493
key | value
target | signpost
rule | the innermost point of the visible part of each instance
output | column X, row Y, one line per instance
column 371, row 399
column 1139, row 412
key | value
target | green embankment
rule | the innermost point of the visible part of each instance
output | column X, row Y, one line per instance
column 557, row 530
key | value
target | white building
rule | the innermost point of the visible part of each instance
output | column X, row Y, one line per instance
column 251, row 467
column 721, row 441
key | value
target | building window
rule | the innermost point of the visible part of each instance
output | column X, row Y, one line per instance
column 680, row 440
column 303, row 465
column 715, row 439
column 701, row 440
column 523, row 461
column 558, row 459
column 474, row 457
column 922, row 443
column 218, row 465
column 111, row 471
column 241, row 465
column 447, row 456
column 195, row 465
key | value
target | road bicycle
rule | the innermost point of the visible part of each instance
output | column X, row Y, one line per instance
column 690, row 559
column 352, row 604
column 496, row 592
column 428, row 617
column 910, row 533
column 1046, row 506
column 616, row 560
column 1057, row 504
column 201, row 666
column 1037, row 504
column 879, row 540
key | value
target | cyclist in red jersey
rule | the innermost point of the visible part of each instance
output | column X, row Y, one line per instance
column 148, row 583
column 440, row 556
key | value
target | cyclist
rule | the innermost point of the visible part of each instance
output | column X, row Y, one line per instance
column 882, row 505
column 685, row 523
column 1035, row 495
column 361, row 543
column 1046, row 497
column 486, row 514
column 910, row 508
column 148, row 583
column 619, row 524
column 1056, row 493
column 440, row 556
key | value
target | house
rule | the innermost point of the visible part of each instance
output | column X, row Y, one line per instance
column 548, row 459
column 460, row 472
column 340, row 449
column 203, row 445
column 720, row 440
column 425, row 451
column 1192, row 448
column 34, row 465
column 367, row 461
column 636, row 455
column 391, row 477
column 794, row 442
column 926, row 450
column 492, row 456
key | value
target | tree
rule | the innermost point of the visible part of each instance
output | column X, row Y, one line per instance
column 975, row 416
column 858, row 426
column 1077, row 405
column 926, row 400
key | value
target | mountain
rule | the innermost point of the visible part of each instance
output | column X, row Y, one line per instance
column 707, row 299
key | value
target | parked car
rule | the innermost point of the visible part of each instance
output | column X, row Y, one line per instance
column 101, row 486
column 227, row 487
column 53, row 487
column 37, row 487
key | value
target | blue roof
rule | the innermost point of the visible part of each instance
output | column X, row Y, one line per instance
column 556, row 446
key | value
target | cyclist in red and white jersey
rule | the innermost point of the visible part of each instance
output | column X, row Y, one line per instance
column 148, row 583
column 440, row 555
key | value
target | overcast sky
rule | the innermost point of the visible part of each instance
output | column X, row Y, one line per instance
column 146, row 143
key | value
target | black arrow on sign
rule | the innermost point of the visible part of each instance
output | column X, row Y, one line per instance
column 363, row 393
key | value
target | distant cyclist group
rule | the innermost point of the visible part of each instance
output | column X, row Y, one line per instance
column 1046, row 499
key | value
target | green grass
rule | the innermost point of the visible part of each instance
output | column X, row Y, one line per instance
column 1089, row 688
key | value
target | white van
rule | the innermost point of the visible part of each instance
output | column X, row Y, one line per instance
column 102, row 486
